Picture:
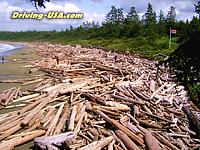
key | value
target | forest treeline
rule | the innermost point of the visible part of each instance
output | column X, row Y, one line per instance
column 147, row 35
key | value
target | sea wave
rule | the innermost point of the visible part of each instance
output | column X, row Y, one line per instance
column 7, row 47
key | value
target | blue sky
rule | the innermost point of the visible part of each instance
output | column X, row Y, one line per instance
column 94, row 10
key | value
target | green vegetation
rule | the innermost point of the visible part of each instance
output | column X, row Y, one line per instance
column 136, row 45
column 185, row 63
column 185, row 60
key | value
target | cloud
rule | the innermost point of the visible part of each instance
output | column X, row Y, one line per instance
column 67, row 7
column 94, row 17
column 99, row 1
column 16, row 3
column 21, row 3
column 7, row 8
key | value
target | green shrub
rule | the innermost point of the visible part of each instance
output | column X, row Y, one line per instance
column 194, row 91
column 185, row 64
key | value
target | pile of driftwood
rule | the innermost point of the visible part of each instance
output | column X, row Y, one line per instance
column 90, row 99
column 8, row 95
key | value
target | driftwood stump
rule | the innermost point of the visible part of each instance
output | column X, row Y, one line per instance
column 193, row 120
column 53, row 142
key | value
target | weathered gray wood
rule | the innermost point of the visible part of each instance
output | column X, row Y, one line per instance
column 50, row 142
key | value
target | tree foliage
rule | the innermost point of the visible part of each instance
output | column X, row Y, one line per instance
column 162, row 28
column 185, row 60
column 39, row 3
column 197, row 8
column 115, row 16
column 132, row 16
column 185, row 63
column 171, row 16
column 161, row 17
column 150, row 16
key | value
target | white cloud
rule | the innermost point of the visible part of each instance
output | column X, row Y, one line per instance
column 6, row 8
column 67, row 7
column 94, row 17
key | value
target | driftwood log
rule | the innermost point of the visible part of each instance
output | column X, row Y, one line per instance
column 97, row 145
column 10, row 144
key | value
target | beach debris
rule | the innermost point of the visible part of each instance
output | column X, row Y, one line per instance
column 9, row 95
column 87, row 98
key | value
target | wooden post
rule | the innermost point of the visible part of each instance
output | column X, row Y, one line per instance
column 170, row 37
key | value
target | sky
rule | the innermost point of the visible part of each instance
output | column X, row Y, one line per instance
column 94, row 10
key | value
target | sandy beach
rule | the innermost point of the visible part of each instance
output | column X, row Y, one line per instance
column 13, row 68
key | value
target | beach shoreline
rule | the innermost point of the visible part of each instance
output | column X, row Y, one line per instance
column 13, row 68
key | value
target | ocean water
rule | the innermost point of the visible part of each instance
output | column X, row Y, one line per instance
column 7, row 49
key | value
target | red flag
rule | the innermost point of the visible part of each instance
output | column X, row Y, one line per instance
column 173, row 31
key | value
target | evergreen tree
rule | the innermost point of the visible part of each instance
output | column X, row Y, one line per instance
column 111, row 17
column 194, row 23
column 197, row 8
column 120, row 16
column 87, row 25
column 161, row 17
column 150, row 29
column 185, row 63
column 162, row 23
column 93, row 24
column 115, row 20
column 115, row 15
column 143, row 19
column 185, row 60
column 132, row 24
column 150, row 15
column 71, row 28
column 171, row 16
column 132, row 16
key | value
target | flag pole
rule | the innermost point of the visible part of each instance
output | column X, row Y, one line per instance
column 170, row 37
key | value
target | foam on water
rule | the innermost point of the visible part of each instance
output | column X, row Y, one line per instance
column 6, row 47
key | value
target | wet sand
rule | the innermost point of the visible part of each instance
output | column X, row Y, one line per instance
column 13, row 68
